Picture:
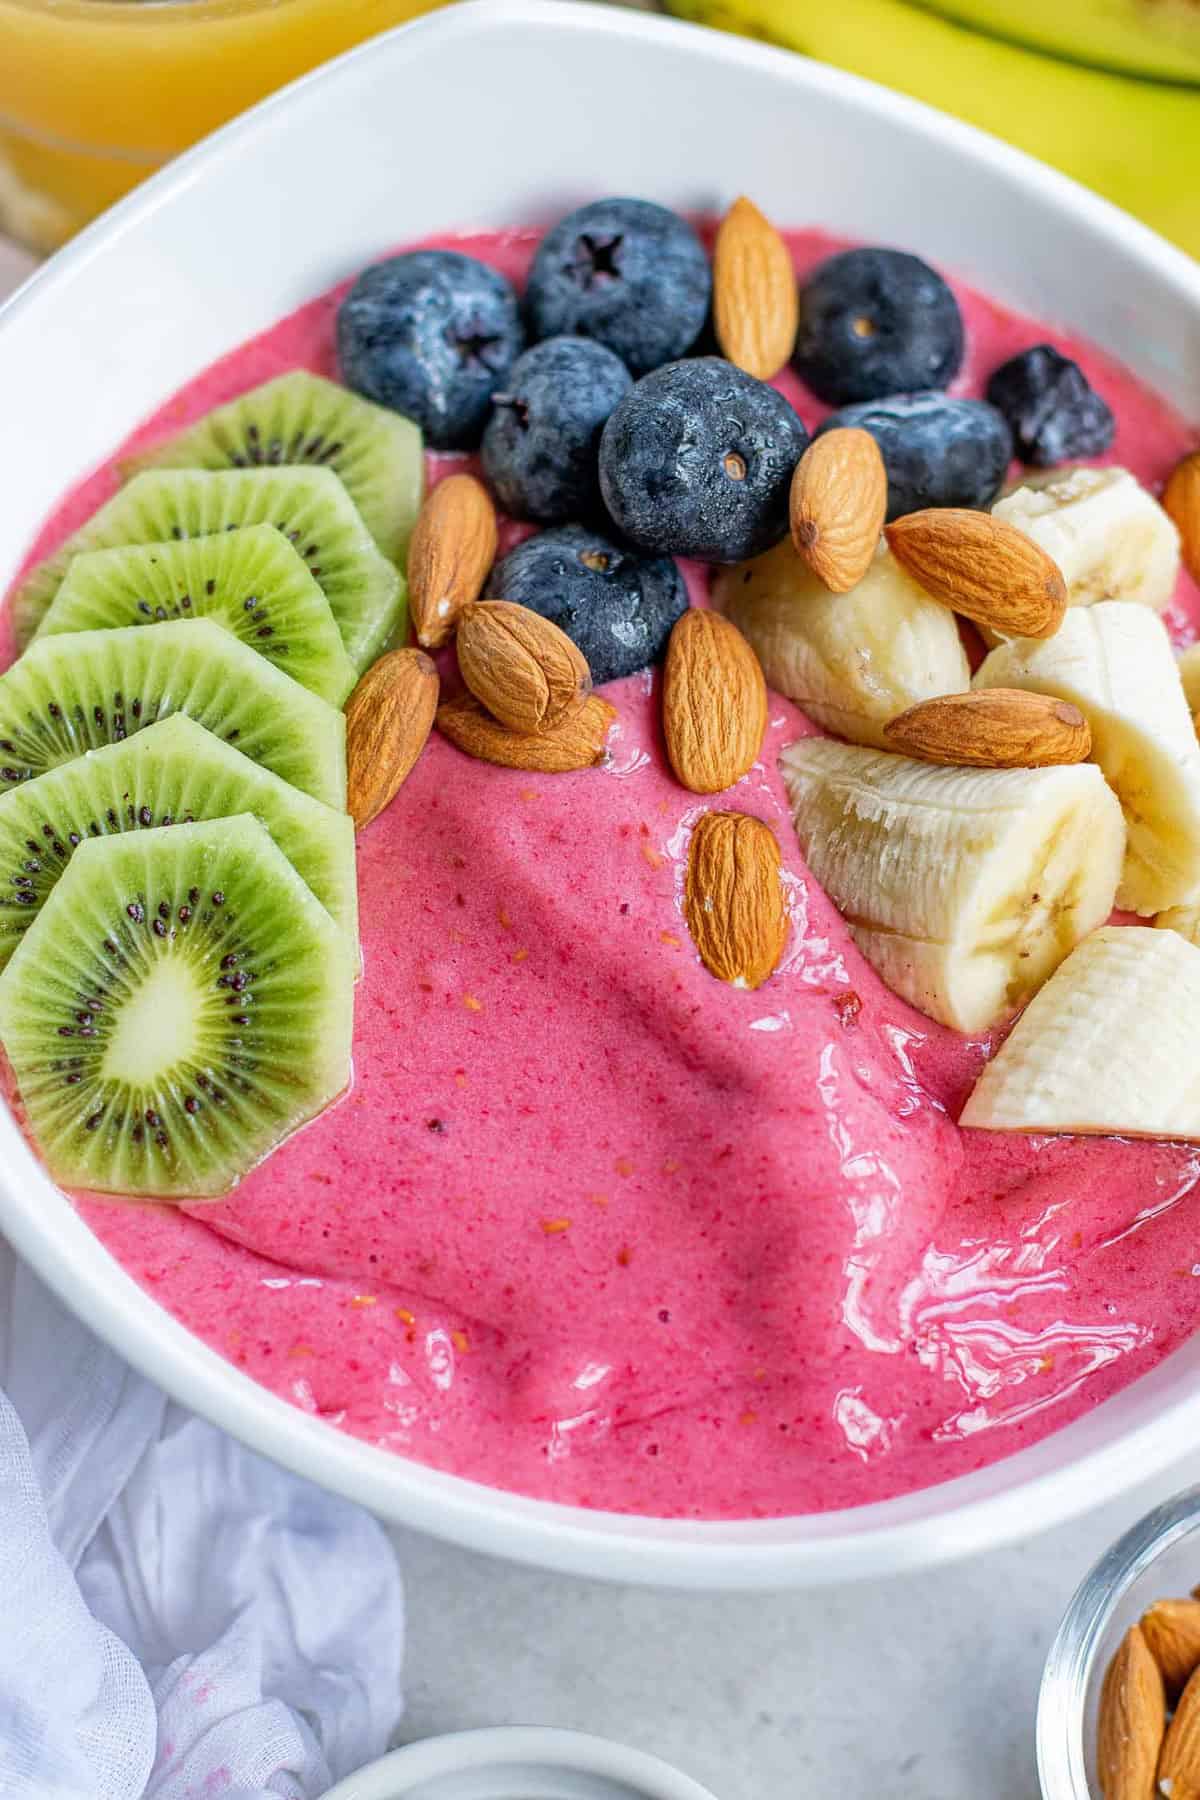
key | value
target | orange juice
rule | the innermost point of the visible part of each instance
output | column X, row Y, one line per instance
column 95, row 94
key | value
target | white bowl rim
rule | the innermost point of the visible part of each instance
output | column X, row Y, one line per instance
column 502, row 1746
column 990, row 1506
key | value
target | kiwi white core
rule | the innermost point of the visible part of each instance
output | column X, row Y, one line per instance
column 156, row 1028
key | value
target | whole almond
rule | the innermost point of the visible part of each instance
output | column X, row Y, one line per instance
column 992, row 728
column 388, row 718
column 1171, row 1629
column 838, row 503
column 1179, row 1763
column 1132, row 1719
column 714, row 702
column 756, row 304
column 578, row 742
column 733, row 898
column 982, row 568
column 1181, row 498
column 525, row 670
column 452, row 549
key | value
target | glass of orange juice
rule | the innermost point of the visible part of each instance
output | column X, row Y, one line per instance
column 96, row 94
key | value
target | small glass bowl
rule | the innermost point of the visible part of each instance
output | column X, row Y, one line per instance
column 1156, row 1559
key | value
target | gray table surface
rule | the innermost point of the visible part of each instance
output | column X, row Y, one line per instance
column 922, row 1687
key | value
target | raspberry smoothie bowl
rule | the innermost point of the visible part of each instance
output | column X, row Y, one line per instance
column 603, row 864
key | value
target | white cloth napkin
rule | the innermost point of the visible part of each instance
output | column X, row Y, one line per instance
column 179, row 1619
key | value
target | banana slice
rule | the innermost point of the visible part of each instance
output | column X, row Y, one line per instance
column 1189, row 674
column 852, row 661
column 1114, row 662
column 1111, row 539
column 965, row 888
column 1111, row 1044
column 1183, row 919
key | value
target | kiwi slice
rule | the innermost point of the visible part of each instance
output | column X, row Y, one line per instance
column 174, row 772
column 250, row 581
column 71, row 694
column 179, row 1006
column 310, row 507
column 302, row 418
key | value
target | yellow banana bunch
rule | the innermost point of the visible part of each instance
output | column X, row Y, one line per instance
column 1132, row 138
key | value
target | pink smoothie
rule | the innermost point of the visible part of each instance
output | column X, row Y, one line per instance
column 594, row 1226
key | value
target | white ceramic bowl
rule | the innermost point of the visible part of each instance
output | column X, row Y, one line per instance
column 531, row 1762
column 501, row 113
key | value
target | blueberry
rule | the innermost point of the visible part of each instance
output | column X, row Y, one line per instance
column 876, row 322
column 1054, row 411
column 541, row 443
column 937, row 452
column 617, row 606
column 626, row 272
column 697, row 460
column 432, row 334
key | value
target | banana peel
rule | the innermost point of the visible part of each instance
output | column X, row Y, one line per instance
column 1142, row 37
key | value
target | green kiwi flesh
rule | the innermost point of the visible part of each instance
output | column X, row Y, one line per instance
column 302, row 418
column 309, row 505
column 174, row 772
column 71, row 694
column 181, row 1004
column 250, row 581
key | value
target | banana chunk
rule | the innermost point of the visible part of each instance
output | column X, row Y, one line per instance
column 1108, row 535
column 1189, row 674
column 1111, row 1044
column 851, row 661
column 1183, row 919
column 965, row 888
column 1114, row 662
